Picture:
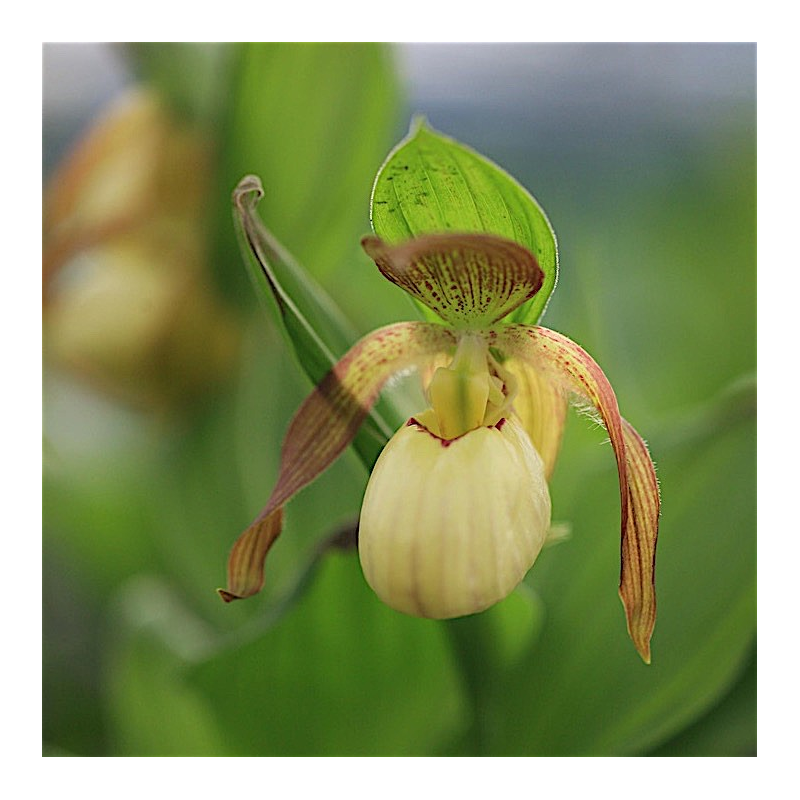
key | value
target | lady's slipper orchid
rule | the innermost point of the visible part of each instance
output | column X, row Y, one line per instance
column 457, row 507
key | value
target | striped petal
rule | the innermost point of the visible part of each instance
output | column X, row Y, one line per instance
column 571, row 368
column 322, row 428
column 541, row 406
column 470, row 280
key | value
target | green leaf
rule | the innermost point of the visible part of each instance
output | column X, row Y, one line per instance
column 433, row 184
column 192, row 76
column 152, row 711
column 299, row 298
column 81, row 504
column 729, row 729
column 272, row 269
column 488, row 646
column 313, row 121
column 340, row 675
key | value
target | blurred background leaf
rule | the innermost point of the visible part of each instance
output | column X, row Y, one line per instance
column 340, row 675
column 582, row 692
column 644, row 158
column 312, row 121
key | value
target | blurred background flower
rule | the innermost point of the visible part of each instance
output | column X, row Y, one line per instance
column 162, row 422
column 127, row 298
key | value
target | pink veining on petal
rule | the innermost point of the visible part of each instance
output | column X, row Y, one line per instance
column 413, row 422
column 324, row 426
column 468, row 279
column 569, row 366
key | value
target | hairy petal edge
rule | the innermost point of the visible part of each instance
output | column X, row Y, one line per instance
column 574, row 370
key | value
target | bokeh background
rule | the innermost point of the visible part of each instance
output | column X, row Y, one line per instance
column 168, row 386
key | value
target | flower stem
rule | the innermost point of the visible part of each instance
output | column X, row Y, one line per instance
column 471, row 639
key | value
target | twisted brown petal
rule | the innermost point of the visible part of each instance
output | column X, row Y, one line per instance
column 322, row 428
column 570, row 367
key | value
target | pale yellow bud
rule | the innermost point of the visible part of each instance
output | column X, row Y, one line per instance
column 129, row 305
column 138, row 323
column 449, row 528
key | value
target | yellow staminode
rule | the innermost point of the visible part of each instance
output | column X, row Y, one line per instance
column 459, row 393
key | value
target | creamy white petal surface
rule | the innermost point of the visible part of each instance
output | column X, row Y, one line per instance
column 449, row 528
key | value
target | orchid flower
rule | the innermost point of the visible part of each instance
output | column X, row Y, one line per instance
column 457, row 507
